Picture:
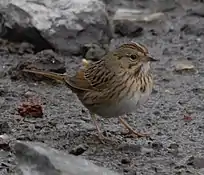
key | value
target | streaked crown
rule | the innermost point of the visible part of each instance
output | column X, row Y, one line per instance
column 135, row 46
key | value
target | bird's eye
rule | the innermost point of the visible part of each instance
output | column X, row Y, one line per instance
column 133, row 57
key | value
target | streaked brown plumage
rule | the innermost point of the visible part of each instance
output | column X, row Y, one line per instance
column 114, row 85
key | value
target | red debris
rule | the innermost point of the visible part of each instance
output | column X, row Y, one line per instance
column 187, row 118
column 30, row 108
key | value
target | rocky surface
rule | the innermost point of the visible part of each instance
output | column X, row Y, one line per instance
column 64, row 25
column 173, row 115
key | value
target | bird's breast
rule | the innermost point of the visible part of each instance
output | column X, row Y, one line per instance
column 127, row 101
column 126, row 105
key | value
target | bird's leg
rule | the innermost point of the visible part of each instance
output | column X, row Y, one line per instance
column 130, row 129
column 100, row 134
column 93, row 116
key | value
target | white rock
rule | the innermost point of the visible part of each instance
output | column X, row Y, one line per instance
column 137, row 15
column 65, row 24
column 37, row 159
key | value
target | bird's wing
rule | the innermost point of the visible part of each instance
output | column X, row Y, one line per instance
column 79, row 82
column 95, row 77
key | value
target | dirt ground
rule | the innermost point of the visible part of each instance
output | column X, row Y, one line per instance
column 173, row 115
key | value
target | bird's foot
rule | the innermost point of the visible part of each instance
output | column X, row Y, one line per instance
column 131, row 131
column 103, row 139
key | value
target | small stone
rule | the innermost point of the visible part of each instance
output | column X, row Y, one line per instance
column 130, row 147
column 128, row 28
column 198, row 90
column 147, row 151
column 180, row 167
column 157, row 145
column 198, row 11
column 182, row 47
column 29, row 94
column 4, row 127
column 190, row 29
column 93, row 52
column 184, row 66
column 173, row 146
column 173, row 149
column 153, row 32
column 166, row 51
column 16, row 48
column 136, row 15
column 196, row 162
column 25, row 48
column 125, row 161
column 78, row 150
column 157, row 113
column 4, row 144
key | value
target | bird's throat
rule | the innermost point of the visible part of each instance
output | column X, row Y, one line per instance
column 142, row 70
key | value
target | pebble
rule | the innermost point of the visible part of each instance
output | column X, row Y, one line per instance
column 78, row 150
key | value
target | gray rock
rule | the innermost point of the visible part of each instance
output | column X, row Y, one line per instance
column 4, row 145
column 137, row 15
column 15, row 48
column 128, row 28
column 182, row 65
column 4, row 126
column 165, row 5
column 64, row 25
column 16, row 25
column 78, row 150
column 196, row 162
column 94, row 52
column 155, row 5
column 131, row 22
column 38, row 159
column 198, row 11
column 2, row 27
column 157, row 145
column 191, row 29
column 45, row 60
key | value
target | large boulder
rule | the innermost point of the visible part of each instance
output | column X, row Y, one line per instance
column 37, row 159
column 63, row 25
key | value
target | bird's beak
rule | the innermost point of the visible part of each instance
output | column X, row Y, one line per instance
column 149, row 58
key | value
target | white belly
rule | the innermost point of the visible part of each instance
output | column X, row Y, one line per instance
column 127, row 105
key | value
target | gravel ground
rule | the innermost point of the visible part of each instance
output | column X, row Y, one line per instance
column 173, row 115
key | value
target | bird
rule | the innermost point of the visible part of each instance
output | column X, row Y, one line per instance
column 113, row 86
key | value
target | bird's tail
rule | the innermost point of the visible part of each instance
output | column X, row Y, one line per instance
column 51, row 75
